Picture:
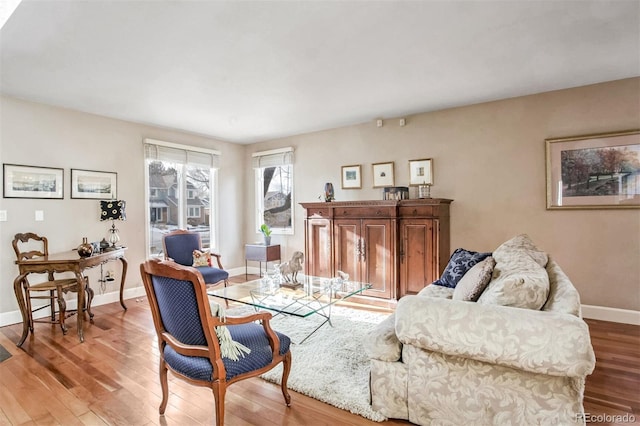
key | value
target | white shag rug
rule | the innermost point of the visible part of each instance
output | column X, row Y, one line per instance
column 331, row 366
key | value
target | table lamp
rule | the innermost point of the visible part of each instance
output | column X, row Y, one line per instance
column 113, row 210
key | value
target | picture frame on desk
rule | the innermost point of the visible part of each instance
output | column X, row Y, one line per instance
column 21, row 181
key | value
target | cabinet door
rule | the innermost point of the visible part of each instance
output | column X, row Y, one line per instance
column 347, row 250
column 319, row 260
column 418, row 255
column 378, row 256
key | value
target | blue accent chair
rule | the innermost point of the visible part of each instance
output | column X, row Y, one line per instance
column 187, row 340
column 179, row 246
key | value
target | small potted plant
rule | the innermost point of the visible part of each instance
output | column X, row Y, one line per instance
column 266, row 231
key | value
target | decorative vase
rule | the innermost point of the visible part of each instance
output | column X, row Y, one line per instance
column 328, row 192
column 85, row 249
column 267, row 240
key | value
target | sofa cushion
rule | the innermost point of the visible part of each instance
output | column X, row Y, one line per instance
column 460, row 262
column 437, row 291
column 519, row 278
column 382, row 343
column 473, row 283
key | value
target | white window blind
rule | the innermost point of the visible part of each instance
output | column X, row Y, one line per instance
column 174, row 153
column 273, row 158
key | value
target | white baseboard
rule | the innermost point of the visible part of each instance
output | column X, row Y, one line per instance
column 604, row 313
column 14, row 317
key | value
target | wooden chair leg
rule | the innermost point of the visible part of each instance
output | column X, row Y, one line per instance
column 219, row 392
column 62, row 304
column 52, row 296
column 164, row 384
column 286, row 368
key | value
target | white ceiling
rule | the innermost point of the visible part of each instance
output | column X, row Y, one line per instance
column 247, row 71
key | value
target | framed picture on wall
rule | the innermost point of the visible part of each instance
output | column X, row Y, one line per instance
column 32, row 182
column 421, row 172
column 600, row 171
column 351, row 177
column 93, row 185
column 383, row 175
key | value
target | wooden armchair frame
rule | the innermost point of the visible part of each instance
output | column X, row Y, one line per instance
column 218, row 383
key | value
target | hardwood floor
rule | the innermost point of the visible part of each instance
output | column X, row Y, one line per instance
column 112, row 379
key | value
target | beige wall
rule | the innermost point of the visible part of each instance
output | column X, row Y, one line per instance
column 36, row 134
column 490, row 159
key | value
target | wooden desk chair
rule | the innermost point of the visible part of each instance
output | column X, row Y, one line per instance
column 179, row 246
column 188, row 335
column 53, row 289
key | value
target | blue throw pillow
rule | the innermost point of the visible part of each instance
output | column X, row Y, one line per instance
column 460, row 262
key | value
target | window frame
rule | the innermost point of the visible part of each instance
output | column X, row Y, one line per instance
column 180, row 190
column 259, row 187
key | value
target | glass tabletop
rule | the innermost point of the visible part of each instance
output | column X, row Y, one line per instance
column 311, row 295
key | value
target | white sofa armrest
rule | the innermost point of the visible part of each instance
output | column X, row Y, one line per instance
column 382, row 343
column 541, row 342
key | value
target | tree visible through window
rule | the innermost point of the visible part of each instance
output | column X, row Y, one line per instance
column 274, row 190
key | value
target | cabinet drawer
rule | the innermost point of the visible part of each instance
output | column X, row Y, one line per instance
column 418, row 211
column 364, row 212
column 318, row 212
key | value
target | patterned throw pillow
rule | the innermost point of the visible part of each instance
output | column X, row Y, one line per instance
column 473, row 283
column 460, row 262
column 519, row 278
column 201, row 258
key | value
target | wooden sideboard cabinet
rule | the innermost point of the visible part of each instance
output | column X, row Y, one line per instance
column 423, row 243
column 397, row 246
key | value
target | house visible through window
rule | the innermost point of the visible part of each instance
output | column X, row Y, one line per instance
column 274, row 189
column 181, row 184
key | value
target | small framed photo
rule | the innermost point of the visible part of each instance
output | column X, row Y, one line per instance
column 93, row 185
column 351, row 177
column 421, row 172
column 600, row 171
column 383, row 175
column 32, row 182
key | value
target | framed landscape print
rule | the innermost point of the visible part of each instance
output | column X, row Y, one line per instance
column 32, row 182
column 94, row 185
column 351, row 177
column 383, row 175
column 598, row 171
column 421, row 172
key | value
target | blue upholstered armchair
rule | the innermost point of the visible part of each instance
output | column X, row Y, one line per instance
column 188, row 335
column 179, row 246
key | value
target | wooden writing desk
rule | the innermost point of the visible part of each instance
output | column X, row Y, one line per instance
column 68, row 261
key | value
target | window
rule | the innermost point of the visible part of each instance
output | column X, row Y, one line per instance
column 274, row 189
column 181, row 184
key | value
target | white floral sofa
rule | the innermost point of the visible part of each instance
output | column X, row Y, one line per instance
column 438, row 361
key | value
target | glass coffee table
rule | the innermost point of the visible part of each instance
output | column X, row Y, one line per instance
column 313, row 296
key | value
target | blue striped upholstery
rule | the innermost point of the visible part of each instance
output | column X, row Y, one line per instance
column 178, row 308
